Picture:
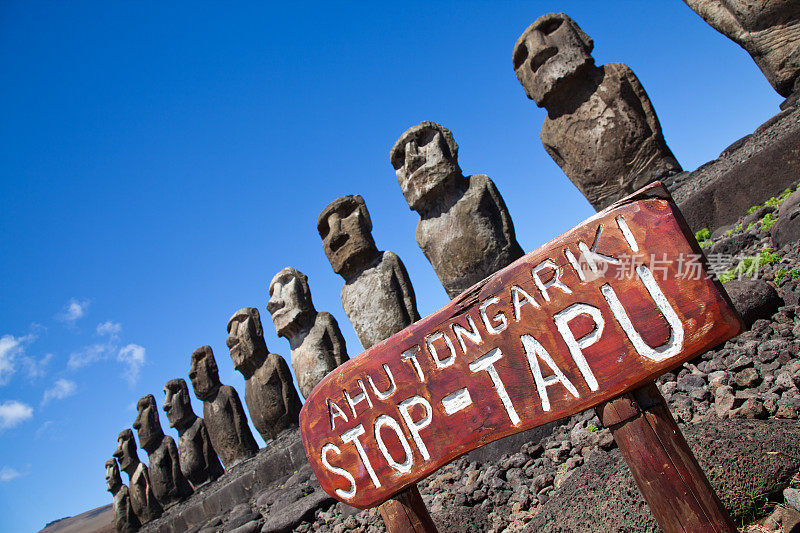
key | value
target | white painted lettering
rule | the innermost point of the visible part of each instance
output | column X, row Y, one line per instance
column 411, row 354
column 575, row 264
column 456, row 401
column 386, row 420
column 486, row 362
column 500, row 319
column 528, row 299
column 352, row 436
column 414, row 427
column 358, row 398
column 472, row 334
column 346, row 494
column 392, row 386
column 576, row 346
column 535, row 351
column 591, row 255
column 627, row 233
column 430, row 339
column 333, row 411
column 553, row 282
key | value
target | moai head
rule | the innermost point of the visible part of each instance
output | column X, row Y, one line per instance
column 113, row 479
column 126, row 451
column 147, row 425
column 177, row 404
column 550, row 53
column 425, row 157
column 346, row 231
column 246, row 341
column 290, row 301
column 204, row 373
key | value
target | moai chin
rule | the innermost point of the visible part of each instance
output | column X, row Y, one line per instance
column 377, row 295
column 600, row 128
column 768, row 29
column 316, row 342
column 222, row 409
column 143, row 502
column 125, row 520
column 269, row 392
column 199, row 462
column 464, row 228
column 166, row 479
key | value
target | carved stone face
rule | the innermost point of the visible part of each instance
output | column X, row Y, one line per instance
column 755, row 16
column 126, row 450
column 289, row 300
column 147, row 425
column 424, row 158
column 177, row 404
column 113, row 479
column 204, row 373
column 345, row 228
column 246, row 340
column 549, row 53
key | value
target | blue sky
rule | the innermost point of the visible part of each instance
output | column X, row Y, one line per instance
column 160, row 162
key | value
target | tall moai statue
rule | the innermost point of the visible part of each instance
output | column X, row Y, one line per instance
column 222, row 410
column 464, row 227
column 600, row 128
column 199, row 462
column 316, row 342
column 377, row 294
column 166, row 479
column 269, row 392
column 143, row 502
column 768, row 29
column 125, row 520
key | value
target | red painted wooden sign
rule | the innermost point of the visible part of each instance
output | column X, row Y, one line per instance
column 607, row 306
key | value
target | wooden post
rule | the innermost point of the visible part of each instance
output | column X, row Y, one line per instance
column 406, row 513
column 663, row 466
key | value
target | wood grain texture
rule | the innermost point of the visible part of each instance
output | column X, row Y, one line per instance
column 341, row 414
column 406, row 513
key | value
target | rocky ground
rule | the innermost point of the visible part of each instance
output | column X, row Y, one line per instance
column 738, row 406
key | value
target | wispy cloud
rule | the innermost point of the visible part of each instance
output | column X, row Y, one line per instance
column 7, row 473
column 61, row 389
column 13, row 413
column 12, row 352
column 133, row 356
column 73, row 311
column 109, row 328
column 90, row 354
column 43, row 428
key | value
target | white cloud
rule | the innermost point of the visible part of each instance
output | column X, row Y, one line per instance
column 7, row 473
column 90, row 354
column 43, row 428
column 109, row 328
column 132, row 355
column 13, row 413
column 12, row 351
column 36, row 369
column 61, row 389
column 73, row 311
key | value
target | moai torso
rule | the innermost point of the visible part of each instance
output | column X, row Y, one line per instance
column 199, row 462
column 227, row 427
column 611, row 145
column 464, row 227
column 601, row 128
column 143, row 501
column 316, row 342
column 768, row 29
column 377, row 295
column 166, row 478
column 268, row 388
column 125, row 520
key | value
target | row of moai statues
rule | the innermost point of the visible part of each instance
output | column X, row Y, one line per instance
column 601, row 129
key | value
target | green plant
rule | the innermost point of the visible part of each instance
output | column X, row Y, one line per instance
column 752, row 505
column 782, row 273
column 749, row 266
column 753, row 209
column 768, row 221
column 702, row 235
column 775, row 201
column 592, row 428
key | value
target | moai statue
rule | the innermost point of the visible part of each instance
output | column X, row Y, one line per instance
column 600, row 128
column 143, row 501
column 315, row 339
column 222, row 409
column 768, row 29
column 269, row 393
column 377, row 294
column 166, row 479
column 125, row 520
column 464, row 227
column 199, row 462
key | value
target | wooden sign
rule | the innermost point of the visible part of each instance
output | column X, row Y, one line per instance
column 607, row 306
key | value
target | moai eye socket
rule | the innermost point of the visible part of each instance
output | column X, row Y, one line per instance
column 425, row 137
column 550, row 26
column 399, row 158
column 323, row 228
column 520, row 55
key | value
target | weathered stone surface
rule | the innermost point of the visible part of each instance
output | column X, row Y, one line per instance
column 601, row 127
column 315, row 339
column 270, row 395
column 125, row 520
column 224, row 415
column 377, row 295
column 787, row 229
column 464, row 229
column 199, row 462
column 166, row 479
column 286, row 518
column 753, row 299
column 768, row 30
column 143, row 502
